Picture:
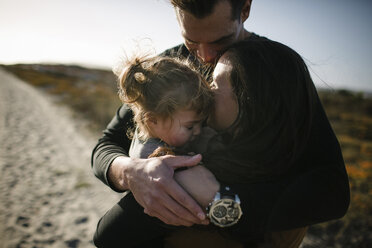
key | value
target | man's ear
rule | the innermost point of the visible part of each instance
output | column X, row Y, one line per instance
column 245, row 10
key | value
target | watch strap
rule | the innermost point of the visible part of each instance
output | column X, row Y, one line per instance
column 227, row 192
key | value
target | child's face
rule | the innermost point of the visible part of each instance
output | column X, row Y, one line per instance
column 182, row 128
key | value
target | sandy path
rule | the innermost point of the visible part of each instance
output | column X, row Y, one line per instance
column 48, row 195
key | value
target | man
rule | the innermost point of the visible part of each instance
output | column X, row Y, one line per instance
column 162, row 197
column 208, row 28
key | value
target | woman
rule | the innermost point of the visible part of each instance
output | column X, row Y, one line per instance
column 274, row 130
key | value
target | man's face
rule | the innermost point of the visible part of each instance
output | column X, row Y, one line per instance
column 207, row 38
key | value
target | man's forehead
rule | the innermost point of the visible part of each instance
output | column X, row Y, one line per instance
column 222, row 9
column 210, row 28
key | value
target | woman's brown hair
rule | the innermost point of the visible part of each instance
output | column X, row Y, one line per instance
column 276, row 98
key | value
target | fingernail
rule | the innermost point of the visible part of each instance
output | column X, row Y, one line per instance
column 205, row 222
column 201, row 216
column 198, row 156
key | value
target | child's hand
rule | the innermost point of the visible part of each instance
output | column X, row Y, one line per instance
column 162, row 151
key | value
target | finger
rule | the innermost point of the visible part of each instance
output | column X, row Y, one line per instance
column 183, row 161
column 185, row 207
column 160, row 205
column 167, row 219
column 166, row 216
column 184, row 216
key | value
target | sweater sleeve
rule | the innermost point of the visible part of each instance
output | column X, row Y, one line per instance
column 319, row 191
column 315, row 189
column 313, row 197
column 112, row 144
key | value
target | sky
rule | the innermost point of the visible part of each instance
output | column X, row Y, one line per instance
column 333, row 36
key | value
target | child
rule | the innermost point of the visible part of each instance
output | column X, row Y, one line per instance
column 170, row 101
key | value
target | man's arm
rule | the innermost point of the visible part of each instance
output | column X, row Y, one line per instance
column 113, row 144
column 150, row 180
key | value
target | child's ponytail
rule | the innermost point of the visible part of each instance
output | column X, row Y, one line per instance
column 133, row 80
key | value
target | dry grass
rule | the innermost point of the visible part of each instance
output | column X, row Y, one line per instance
column 92, row 94
column 351, row 117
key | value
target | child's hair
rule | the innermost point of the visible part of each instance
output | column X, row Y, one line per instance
column 160, row 86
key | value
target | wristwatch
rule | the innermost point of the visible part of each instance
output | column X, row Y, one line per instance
column 225, row 209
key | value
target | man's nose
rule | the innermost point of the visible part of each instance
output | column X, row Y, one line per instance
column 206, row 53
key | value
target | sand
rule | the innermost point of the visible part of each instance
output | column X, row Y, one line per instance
column 49, row 196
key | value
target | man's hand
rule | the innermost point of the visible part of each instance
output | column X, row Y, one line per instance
column 152, row 184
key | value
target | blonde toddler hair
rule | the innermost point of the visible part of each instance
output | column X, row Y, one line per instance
column 160, row 86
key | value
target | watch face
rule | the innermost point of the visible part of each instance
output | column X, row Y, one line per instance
column 233, row 212
column 219, row 211
column 225, row 212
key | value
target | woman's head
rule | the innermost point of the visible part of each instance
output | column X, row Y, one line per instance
column 273, row 93
column 158, row 89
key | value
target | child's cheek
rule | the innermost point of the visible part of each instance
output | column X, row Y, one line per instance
column 179, row 141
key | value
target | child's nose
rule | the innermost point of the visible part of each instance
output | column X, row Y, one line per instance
column 197, row 130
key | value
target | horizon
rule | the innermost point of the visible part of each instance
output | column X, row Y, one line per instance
column 365, row 93
column 335, row 40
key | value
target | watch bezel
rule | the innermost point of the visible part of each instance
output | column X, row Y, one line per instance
column 226, row 202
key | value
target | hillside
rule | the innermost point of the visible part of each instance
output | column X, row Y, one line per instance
column 92, row 95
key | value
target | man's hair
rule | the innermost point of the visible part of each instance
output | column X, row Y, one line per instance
column 203, row 8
